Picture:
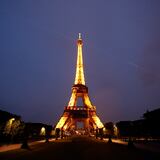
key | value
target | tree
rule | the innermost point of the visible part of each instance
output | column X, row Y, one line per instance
column 109, row 128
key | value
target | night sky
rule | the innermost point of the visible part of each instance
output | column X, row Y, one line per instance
column 121, row 54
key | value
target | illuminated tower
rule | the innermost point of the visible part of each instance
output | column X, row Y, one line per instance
column 74, row 114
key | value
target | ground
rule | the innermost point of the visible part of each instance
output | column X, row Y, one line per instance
column 84, row 148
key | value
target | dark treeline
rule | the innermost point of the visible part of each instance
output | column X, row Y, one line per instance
column 147, row 127
column 13, row 129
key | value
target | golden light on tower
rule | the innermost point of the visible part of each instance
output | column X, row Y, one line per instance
column 9, row 125
column 79, row 79
column 99, row 124
column 61, row 122
column 73, row 113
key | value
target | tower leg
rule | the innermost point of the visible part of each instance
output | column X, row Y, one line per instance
column 86, row 125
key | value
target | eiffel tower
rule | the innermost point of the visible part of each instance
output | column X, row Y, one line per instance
column 74, row 114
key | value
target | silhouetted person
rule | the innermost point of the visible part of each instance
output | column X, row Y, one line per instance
column 62, row 133
column 57, row 133
column 25, row 144
column 130, row 143
column 101, row 133
column 25, row 140
column 47, row 135
column 96, row 133
column 110, row 139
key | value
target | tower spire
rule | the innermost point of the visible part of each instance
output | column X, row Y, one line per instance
column 79, row 35
column 79, row 78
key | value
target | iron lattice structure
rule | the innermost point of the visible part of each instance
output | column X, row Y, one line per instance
column 73, row 113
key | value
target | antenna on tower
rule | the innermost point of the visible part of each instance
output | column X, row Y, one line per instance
column 79, row 35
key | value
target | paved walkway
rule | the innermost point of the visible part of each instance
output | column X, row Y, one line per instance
column 149, row 146
column 83, row 148
column 9, row 147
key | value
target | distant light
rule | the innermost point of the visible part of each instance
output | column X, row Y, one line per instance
column 8, row 126
column 43, row 131
column 11, row 121
column 115, row 129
